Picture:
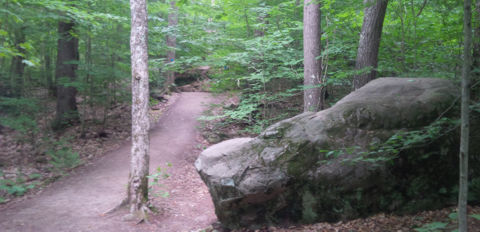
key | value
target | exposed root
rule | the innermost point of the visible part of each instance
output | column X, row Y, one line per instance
column 144, row 211
column 117, row 207
column 138, row 216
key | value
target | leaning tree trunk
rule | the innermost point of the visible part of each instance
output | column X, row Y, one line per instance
column 311, row 50
column 137, row 190
column 465, row 126
column 67, row 56
column 369, row 43
column 171, row 42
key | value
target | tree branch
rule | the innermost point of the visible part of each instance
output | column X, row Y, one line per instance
column 423, row 6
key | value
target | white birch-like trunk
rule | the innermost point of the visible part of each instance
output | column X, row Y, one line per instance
column 465, row 127
column 311, row 50
column 137, row 192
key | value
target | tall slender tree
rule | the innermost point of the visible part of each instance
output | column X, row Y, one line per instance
column 369, row 43
column 465, row 126
column 67, row 58
column 137, row 189
column 476, row 43
column 171, row 41
column 312, row 98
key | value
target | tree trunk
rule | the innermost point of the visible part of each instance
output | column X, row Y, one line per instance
column 369, row 43
column 48, row 73
column 311, row 50
column 476, row 44
column 247, row 24
column 18, row 67
column 88, row 80
column 171, row 43
column 67, row 56
column 465, row 126
column 137, row 190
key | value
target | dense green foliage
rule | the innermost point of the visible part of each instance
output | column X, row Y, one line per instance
column 420, row 39
column 253, row 46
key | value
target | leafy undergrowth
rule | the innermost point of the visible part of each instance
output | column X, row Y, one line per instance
column 215, row 127
column 26, row 169
column 427, row 221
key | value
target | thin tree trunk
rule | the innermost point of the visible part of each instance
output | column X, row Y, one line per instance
column 48, row 72
column 369, row 43
column 18, row 67
column 67, row 52
column 476, row 44
column 113, row 58
column 402, row 46
column 415, row 15
column 88, row 80
column 137, row 190
column 245, row 15
column 311, row 50
column 465, row 127
column 6, row 88
column 414, row 46
column 171, row 42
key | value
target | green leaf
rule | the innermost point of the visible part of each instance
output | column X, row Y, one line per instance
column 476, row 216
column 453, row 216
column 434, row 226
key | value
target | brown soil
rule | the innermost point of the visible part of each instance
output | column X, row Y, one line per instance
column 77, row 202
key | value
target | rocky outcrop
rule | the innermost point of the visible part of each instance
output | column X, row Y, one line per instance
column 368, row 153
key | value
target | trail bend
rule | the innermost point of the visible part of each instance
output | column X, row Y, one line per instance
column 76, row 203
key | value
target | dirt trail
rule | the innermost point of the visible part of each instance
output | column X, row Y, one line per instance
column 76, row 203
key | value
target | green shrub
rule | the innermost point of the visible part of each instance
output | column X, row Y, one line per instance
column 17, row 187
column 62, row 157
column 155, row 178
column 308, row 203
column 474, row 189
column 432, row 227
column 19, row 115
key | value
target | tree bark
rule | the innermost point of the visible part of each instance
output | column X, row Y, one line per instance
column 465, row 126
column 476, row 44
column 137, row 190
column 67, row 56
column 369, row 43
column 48, row 73
column 18, row 67
column 171, row 42
column 311, row 50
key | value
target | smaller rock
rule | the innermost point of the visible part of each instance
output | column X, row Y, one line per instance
column 213, row 138
column 231, row 105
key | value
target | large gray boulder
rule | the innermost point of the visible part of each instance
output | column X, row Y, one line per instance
column 342, row 162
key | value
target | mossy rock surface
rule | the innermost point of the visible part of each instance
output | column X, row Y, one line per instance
column 288, row 173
